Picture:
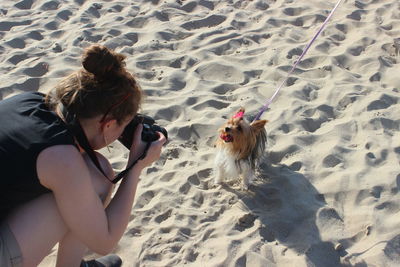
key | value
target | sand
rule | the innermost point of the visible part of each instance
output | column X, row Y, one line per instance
column 327, row 192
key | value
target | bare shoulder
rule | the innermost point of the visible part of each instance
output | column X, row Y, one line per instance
column 62, row 162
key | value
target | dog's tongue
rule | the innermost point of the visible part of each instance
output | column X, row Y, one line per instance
column 226, row 137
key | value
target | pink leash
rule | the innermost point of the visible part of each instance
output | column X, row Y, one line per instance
column 269, row 101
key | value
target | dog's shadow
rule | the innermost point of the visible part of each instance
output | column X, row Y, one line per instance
column 288, row 206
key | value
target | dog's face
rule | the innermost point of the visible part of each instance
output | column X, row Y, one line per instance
column 235, row 129
column 239, row 135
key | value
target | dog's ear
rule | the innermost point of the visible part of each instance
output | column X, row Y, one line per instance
column 257, row 126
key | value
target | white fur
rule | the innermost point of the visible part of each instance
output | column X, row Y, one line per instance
column 227, row 166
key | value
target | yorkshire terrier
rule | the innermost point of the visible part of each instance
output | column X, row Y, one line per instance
column 240, row 146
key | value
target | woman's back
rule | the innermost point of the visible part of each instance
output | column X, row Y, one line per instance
column 27, row 128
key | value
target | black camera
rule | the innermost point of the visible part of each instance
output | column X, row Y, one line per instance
column 149, row 133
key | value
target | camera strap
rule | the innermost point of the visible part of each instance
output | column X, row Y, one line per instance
column 125, row 172
column 75, row 127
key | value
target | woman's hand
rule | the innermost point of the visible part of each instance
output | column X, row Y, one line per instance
column 138, row 147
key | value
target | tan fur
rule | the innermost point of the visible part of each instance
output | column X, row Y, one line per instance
column 239, row 147
column 243, row 141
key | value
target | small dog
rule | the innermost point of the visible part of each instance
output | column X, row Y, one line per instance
column 240, row 146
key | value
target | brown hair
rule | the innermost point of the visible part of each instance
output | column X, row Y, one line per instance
column 101, row 84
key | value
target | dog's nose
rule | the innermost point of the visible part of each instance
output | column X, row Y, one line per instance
column 227, row 129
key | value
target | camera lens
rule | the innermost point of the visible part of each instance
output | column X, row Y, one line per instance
column 149, row 133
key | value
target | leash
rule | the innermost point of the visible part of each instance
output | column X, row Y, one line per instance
column 269, row 101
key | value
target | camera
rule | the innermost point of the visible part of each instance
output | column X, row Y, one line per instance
column 149, row 133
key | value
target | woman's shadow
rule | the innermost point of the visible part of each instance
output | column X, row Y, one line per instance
column 289, row 208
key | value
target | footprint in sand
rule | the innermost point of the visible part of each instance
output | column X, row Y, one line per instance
column 392, row 249
column 329, row 220
column 64, row 14
column 50, row 5
column 144, row 199
column 331, row 161
column 15, row 59
column 246, row 221
column 164, row 216
column 373, row 160
column 25, row 4
column 383, row 102
column 16, row 43
column 38, row 70
column 323, row 254
column 220, row 73
column 210, row 21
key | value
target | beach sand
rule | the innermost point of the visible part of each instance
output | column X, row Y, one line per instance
column 327, row 193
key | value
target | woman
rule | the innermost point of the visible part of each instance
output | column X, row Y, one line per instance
column 50, row 190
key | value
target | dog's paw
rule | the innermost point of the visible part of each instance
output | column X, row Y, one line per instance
column 217, row 185
column 247, row 186
column 218, row 180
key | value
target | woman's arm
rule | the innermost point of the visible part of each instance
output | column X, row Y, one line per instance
column 63, row 170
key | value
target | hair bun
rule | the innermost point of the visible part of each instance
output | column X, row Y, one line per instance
column 102, row 62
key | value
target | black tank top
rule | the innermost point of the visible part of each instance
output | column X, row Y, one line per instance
column 27, row 127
